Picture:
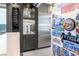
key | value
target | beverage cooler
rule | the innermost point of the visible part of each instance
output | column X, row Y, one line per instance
column 65, row 30
column 29, row 24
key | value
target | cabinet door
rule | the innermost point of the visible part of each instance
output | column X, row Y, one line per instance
column 29, row 30
column 29, row 43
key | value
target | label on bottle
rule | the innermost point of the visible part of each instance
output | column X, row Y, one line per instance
column 77, row 30
column 77, row 23
column 69, row 45
column 77, row 39
column 76, row 48
column 77, row 17
column 66, row 53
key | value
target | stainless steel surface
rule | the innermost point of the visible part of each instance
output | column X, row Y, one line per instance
column 44, row 40
column 44, row 35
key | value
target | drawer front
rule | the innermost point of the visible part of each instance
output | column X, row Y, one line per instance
column 29, row 42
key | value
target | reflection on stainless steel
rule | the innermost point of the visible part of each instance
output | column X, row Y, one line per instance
column 44, row 38
column 28, row 26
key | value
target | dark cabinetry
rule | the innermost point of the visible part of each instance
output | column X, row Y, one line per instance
column 13, row 18
column 29, row 42
column 29, row 27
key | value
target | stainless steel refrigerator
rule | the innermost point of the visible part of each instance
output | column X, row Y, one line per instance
column 44, row 34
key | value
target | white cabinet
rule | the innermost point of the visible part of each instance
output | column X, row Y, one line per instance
column 3, row 44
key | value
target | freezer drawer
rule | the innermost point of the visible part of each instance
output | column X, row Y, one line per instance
column 29, row 43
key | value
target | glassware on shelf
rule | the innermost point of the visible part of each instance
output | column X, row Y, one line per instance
column 27, row 11
column 28, row 27
column 32, row 13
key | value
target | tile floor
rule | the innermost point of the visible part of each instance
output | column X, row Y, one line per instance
column 39, row 52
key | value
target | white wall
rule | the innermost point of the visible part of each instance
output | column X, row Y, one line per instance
column 3, row 43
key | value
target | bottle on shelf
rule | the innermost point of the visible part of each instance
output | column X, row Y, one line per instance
column 27, row 11
column 32, row 13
